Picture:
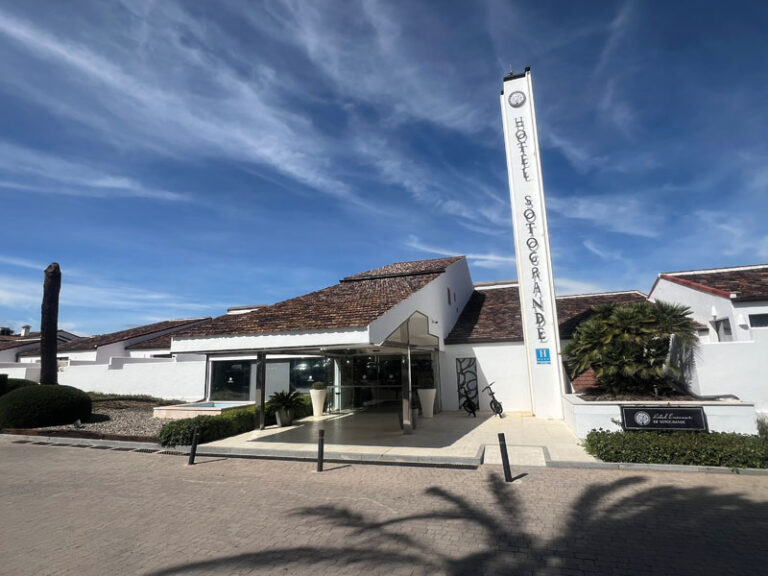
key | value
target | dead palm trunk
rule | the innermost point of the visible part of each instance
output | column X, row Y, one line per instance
column 49, row 321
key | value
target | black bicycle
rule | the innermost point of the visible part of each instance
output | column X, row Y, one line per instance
column 496, row 406
column 469, row 406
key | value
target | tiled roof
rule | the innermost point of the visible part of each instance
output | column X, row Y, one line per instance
column 413, row 268
column 93, row 342
column 573, row 310
column 494, row 315
column 354, row 302
column 489, row 316
column 18, row 342
column 587, row 380
column 744, row 282
column 158, row 342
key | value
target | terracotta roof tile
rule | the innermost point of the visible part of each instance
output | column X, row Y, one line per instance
column 747, row 282
column 353, row 303
column 489, row 316
column 494, row 315
column 412, row 268
column 93, row 342
column 573, row 310
column 18, row 342
column 587, row 380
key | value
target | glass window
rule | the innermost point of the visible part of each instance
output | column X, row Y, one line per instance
column 306, row 371
column 758, row 320
column 230, row 380
column 723, row 328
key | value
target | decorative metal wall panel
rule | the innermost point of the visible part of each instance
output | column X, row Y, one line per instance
column 466, row 377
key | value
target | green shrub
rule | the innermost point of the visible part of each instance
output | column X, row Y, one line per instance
column 11, row 384
column 226, row 424
column 229, row 423
column 36, row 406
column 694, row 448
column 106, row 397
column 629, row 346
column 762, row 426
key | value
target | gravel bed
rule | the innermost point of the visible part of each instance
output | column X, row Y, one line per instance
column 123, row 421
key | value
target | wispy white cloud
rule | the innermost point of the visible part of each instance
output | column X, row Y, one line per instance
column 25, row 169
column 580, row 156
column 616, row 110
column 604, row 253
column 564, row 286
column 21, row 263
column 615, row 213
column 488, row 260
column 617, row 31
column 234, row 117
column 21, row 292
column 369, row 56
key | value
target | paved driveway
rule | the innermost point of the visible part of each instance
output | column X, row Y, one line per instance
column 81, row 511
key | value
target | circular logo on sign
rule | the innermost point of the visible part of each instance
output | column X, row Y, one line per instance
column 516, row 99
column 642, row 418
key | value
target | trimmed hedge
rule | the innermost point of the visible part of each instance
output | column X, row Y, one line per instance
column 11, row 384
column 694, row 448
column 226, row 424
column 36, row 406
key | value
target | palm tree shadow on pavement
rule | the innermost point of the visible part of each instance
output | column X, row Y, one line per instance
column 617, row 527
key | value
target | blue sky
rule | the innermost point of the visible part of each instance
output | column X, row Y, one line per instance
column 179, row 158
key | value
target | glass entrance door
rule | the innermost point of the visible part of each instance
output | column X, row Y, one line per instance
column 375, row 382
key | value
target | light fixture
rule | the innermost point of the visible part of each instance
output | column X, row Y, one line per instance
column 741, row 320
column 713, row 313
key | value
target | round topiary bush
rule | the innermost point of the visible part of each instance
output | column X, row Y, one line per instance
column 36, row 406
column 11, row 384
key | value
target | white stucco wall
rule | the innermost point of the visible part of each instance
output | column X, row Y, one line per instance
column 432, row 301
column 701, row 304
column 501, row 363
column 582, row 416
column 183, row 379
column 350, row 338
column 16, row 370
column 77, row 356
column 739, row 368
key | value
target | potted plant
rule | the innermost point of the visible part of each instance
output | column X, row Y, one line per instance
column 285, row 405
column 318, row 394
column 427, row 392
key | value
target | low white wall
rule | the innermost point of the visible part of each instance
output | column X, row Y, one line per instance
column 582, row 417
column 183, row 380
column 739, row 368
column 16, row 370
column 502, row 363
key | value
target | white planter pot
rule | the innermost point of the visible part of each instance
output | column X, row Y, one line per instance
column 427, row 399
column 283, row 417
column 318, row 401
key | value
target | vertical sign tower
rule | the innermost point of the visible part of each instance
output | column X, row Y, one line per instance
column 534, row 264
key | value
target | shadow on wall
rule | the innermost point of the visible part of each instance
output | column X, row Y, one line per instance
column 612, row 528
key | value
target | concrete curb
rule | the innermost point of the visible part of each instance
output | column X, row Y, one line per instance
column 265, row 454
column 344, row 457
column 67, row 441
column 658, row 467
column 463, row 462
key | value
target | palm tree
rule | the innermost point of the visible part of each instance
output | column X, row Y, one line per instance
column 628, row 347
column 49, row 319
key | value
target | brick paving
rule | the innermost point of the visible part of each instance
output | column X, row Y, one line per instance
column 70, row 511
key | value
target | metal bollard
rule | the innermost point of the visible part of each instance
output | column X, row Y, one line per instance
column 193, row 450
column 320, row 449
column 505, row 458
